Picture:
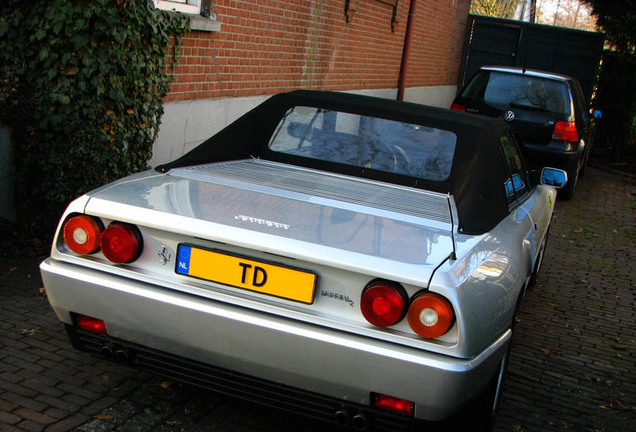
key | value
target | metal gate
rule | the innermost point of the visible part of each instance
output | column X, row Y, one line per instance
column 502, row 42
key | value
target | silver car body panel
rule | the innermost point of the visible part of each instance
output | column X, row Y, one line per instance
column 325, row 360
column 291, row 216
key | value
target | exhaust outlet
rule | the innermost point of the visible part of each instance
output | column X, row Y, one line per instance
column 122, row 356
column 107, row 352
column 360, row 422
column 342, row 417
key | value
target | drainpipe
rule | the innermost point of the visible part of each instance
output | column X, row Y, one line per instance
column 406, row 51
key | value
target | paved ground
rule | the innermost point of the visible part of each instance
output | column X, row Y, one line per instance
column 572, row 364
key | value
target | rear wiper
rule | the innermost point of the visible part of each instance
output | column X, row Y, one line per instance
column 528, row 107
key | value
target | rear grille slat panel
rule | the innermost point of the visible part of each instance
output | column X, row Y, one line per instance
column 275, row 176
column 236, row 385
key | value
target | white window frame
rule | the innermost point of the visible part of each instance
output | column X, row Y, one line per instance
column 184, row 6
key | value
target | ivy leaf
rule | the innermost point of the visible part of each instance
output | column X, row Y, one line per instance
column 66, row 64
column 43, row 55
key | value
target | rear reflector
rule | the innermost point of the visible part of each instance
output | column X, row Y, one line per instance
column 565, row 131
column 389, row 403
column 121, row 243
column 458, row 107
column 91, row 324
column 430, row 315
column 383, row 303
column 82, row 234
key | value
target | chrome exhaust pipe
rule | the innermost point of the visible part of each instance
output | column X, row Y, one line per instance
column 122, row 356
column 107, row 352
column 342, row 417
column 360, row 422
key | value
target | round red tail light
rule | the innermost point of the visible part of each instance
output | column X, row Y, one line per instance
column 82, row 234
column 383, row 303
column 430, row 315
column 121, row 243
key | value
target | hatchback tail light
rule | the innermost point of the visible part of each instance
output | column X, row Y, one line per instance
column 383, row 303
column 565, row 131
column 82, row 234
column 121, row 243
column 430, row 315
column 458, row 107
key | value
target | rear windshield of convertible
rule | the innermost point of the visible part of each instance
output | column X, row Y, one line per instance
column 366, row 142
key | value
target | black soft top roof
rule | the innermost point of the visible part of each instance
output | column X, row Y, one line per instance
column 476, row 179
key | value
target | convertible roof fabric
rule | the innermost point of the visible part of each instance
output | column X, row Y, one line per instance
column 476, row 180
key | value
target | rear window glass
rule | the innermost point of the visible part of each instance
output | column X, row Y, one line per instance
column 519, row 91
column 366, row 142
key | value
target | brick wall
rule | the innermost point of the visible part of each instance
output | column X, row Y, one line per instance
column 269, row 46
column 438, row 42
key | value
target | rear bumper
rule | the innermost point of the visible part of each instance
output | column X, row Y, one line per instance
column 199, row 335
column 230, row 383
column 553, row 156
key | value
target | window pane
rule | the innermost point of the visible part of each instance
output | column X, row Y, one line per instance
column 517, row 184
column 185, row 6
column 522, row 91
column 366, row 142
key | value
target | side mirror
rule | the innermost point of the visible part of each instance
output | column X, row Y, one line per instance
column 554, row 177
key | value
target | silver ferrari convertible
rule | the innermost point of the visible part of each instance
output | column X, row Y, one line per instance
column 352, row 259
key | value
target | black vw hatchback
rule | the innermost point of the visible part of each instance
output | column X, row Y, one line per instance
column 548, row 111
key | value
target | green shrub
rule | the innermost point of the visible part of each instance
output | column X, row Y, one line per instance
column 81, row 88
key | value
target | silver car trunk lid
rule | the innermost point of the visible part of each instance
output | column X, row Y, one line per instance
column 318, row 216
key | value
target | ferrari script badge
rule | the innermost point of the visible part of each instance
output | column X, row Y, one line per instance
column 262, row 222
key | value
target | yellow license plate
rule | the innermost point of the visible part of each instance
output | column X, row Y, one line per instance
column 276, row 280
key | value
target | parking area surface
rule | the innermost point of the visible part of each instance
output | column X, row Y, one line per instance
column 571, row 368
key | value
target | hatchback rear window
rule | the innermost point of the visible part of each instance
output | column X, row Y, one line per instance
column 366, row 142
column 520, row 91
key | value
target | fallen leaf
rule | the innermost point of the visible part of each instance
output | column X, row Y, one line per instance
column 165, row 384
column 622, row 347
column 31, row 331
column 103, row 417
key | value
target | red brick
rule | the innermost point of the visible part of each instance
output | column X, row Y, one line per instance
column 34, row 416
column 9, row 418
column 270, row 38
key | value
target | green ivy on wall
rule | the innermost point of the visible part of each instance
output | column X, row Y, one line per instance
column 81, row 88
